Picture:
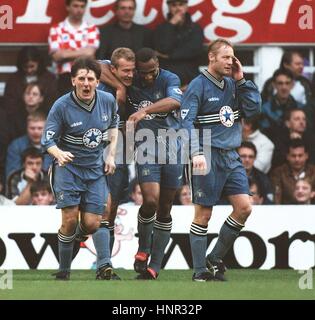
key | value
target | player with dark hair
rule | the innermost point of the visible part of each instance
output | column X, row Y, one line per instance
column 215, row 100
column 74, row 135
column 153, row 101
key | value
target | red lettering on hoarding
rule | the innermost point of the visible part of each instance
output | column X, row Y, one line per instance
column 240, row 21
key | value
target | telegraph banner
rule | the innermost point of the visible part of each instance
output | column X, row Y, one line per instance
column 240, row 21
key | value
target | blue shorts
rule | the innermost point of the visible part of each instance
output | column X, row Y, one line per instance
column 74, row 185
column 227, row 177
column 118, row 182
column 167, row 175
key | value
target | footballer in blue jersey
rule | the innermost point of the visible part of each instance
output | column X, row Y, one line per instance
column 122, row 66
column 215, row 101
column 77, row 126
column 153, row 102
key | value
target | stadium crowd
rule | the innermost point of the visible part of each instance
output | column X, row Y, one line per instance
column 278, row 149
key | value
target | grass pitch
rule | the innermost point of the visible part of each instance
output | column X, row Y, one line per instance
column 171, row 285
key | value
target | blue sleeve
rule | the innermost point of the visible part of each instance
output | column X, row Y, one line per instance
column 173, row 88
column 189, row 110
column 53, row 128
column 115, row 117
column 249, row 98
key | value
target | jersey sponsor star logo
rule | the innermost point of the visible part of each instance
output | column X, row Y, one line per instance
column 92, row 138
column 226, row 116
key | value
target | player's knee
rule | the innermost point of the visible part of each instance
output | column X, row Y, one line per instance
column 150, row 205
column 91, row 225
column 68, row 225
column 244, row 211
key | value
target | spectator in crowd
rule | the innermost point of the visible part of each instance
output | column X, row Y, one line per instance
column 273, row 110
column 301, row 89
column 248, row 153
column 284, row 177
column 256, row 194
column 183, row 196
column 263, row 144
column 123, row 32
column 304, row 192
column 20, row 182
column 4, row 141
column 295, row 127
column 35, row 127
column 179, row 42
column 31, row 68
column 41, row 194
column 33, row 98
column 71, row 39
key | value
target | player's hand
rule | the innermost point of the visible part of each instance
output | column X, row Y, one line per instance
column 237, row 69
column 121, row 95
column 199, row 164
column 64, row 157
column 137, row 116
column 110, row 165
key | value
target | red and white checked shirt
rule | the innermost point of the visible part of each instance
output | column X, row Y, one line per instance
column 64, row 36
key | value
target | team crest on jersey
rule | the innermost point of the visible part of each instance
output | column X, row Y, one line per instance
column 92, row 138
column 144, row 104
column 184, row 113
column 226, row 116
column 104, row 117
column 50, row 134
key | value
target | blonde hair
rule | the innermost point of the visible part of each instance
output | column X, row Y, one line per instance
column 120, row 53
column 215, row 45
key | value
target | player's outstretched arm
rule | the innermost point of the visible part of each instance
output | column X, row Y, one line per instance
column 162, row 106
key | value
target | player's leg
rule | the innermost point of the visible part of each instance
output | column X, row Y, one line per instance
column 102, row 244
column 101, row 240
column 161, row 230
column 149, row 180
column 66, row 238
column 66, row 187
column 118, row 186
column 206, row 191
column 229, row 232
column 237, row 190
column 171, row 180
column 198, row 242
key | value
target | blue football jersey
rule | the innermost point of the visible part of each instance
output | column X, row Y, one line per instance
column 218, row 105
column 166, row 85
column 80, row 128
